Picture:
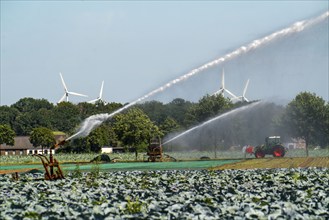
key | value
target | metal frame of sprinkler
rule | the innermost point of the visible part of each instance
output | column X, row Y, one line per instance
column 52, row 168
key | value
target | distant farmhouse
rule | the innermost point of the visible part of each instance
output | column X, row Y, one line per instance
column 110, row 150
column 296, row 143
column 23, row 146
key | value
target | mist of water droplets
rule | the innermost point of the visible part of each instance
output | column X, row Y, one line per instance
column 95, row 120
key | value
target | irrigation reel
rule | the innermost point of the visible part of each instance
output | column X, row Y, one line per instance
column 155, row 152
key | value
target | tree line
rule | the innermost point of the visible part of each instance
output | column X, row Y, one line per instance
column 306, row 116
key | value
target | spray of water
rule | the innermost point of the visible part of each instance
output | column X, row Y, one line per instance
column 234, row 111
column 95, row 120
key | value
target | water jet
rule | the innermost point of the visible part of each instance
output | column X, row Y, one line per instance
column 95, row 120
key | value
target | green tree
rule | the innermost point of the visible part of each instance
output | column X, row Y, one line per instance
column 42, row 118
column 307, row 118
column 102, row 136
column 206, row 108
column 111, row 135
column 109, row 107
column 8, row 115
column 29, row 104
column 134, row 128
column 7, row 134
column 326, row 130
column 86, row 109
column 97, row 139
column 155, row 110
column 42, row 137
column 77, row 145
column 177, row 109
column 32, row 113
column 169, row 125
column 65, row 117
column 25, row 122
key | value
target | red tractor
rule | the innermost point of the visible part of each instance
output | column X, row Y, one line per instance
column 272, row 146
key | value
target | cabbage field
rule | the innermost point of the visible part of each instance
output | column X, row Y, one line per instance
column 189, row 155
column 175, row 194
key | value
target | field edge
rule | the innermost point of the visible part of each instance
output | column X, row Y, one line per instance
column 272, row 163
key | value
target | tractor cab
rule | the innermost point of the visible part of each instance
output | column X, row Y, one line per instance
column 272, row 141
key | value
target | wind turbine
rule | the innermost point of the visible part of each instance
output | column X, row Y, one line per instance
column 67, row 93
column 99, row 98
column 222, row 89
column 243, row 97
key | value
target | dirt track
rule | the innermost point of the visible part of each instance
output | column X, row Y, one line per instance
column 13, row 171
column 278, row 163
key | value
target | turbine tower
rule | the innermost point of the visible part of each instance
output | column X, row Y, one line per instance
column 67, row 93
column 99, row 98
column 222, row 89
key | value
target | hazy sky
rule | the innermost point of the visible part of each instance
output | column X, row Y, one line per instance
column 135, row 47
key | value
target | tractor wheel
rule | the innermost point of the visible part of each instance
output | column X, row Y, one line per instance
column 259, row 153
column 278, row 151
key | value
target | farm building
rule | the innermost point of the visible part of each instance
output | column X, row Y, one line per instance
column 296, row 143
column 23, row 146
column 109, row 150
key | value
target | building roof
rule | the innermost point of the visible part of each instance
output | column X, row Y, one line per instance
column 20, row 143
column 23, row 142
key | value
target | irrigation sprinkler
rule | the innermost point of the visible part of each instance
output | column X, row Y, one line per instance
column 52, row 168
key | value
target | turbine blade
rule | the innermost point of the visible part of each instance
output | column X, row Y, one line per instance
column 234, row 96
column 77, row 94
column 219, row 91
column 93, row 101
column 101, row 92
column 245, row 88
column 62, row 99
column 65, row 88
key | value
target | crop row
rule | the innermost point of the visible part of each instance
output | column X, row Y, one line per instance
column 17, row 159
column 198, row 194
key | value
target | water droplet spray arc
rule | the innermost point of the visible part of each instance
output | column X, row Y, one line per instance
column 234, row 111
column 95, row 120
